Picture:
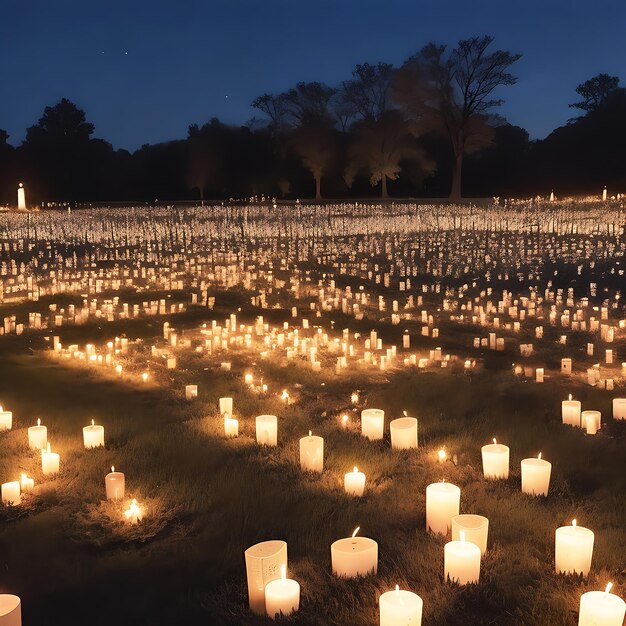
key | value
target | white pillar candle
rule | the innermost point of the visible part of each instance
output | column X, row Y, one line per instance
column 115, row 485
column 93, row 435
column 6, row 419
column 312, row 453
column 539, row 374
column 573, row 549
column 282, row 596
column 10, row 610
column 536, row 476
column 37, row 436
column 442, row 504
column 354, row 556
column 354, row 482
column 49, row 461
column 191, row 392
column 461, row 561
column 400, row 608
column 263, row 564
column 475, row 527
column 570, row 411
column 403, row 433
column 495, row 460
column 601, row 608
column 11, row 493
column 267, row 430
column 619, row 408
column 226, row 406
column 591, row 421
column 231, row 426
column 372, row 423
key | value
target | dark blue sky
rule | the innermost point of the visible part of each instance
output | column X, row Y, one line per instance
column 145, row 69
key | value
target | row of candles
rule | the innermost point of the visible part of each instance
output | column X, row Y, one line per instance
column 93, row 437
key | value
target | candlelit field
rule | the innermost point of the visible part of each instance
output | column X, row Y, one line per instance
column 71, row 556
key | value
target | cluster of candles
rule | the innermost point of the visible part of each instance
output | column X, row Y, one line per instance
column 93, row 437
column 573, row 415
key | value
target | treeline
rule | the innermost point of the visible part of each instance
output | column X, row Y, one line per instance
column 426, row 128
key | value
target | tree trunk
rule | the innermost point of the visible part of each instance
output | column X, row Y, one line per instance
column 384, row 187
column 457, row 167
column 318, row 187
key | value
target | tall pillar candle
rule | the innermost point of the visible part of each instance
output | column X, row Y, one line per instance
column 403, row 433
column 591, row 420
column 573, row 549
column 400, row 608
column 49, row 461
column 312, row 453
column 6, row 420
column 231, row 426
column 115, row 485
column 442, row 504
column 372, row 423
column 37, row 436
column 619, row 408
column 475, row 527
column 536, row 476
column 495, row 460
column 461, row 561
column 226, row 406
column 263, row 563
column 267, row 430
column 570, row 412
column 354, row 556
column 93, row 435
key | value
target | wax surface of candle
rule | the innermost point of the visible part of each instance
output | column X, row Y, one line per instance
column 573, row 549
column 400, row 608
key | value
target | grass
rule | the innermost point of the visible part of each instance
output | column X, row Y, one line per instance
column 73, row 561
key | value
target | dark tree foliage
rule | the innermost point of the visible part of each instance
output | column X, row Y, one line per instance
column 381, row 131
column 595, row 92
column 452, row 92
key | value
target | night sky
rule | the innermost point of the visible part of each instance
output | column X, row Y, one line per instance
column 145, row 69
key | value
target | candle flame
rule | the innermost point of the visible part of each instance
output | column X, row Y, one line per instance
column 405, row 413
column 38, row 422
column 310, row 433
column 93, row 423
column 344, row 418
column 398, row 587
column 356, row 530
column 570, row 397
column 608, row 588
column 539, row 457
column 356, row 469
column 283, row 571
column 442, row 455
column 112, row 468
column 494, row 440
column 574, row 523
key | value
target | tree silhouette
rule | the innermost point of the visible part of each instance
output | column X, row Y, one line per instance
column 379, row 147
column 62, row 123
column 452, row 93
column 595, row 92
column 367, row 95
